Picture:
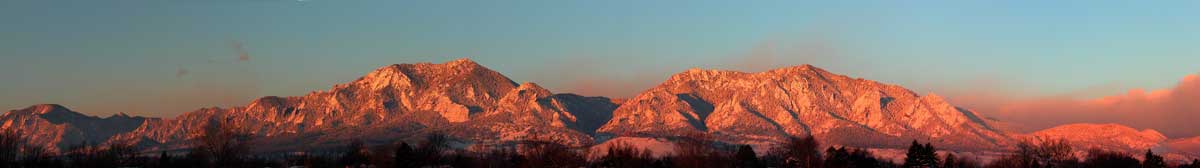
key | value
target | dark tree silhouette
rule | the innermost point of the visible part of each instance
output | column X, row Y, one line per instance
column 746, row 157
column 164, row 160
column 354, row 155
column 549, row 154
column 1056, row 153
column 949, row 160
column 122, row 155
column 435, row 151
column 797, row 152
column 500, row 157
column 1023, row 157
column 404, row 156
column 843, row 157
column 11, row 142
column 697, row 150
column 222, row 144
column 307, row 159
column 1195, row 164
column 1153, row 161
column 1107, row 159
column 88, row 154
column 1050, row 153
column 921, row 156
column 37, row 156
column 429, row 153
column 954, row 161
column 623, row 155
column 837, row 157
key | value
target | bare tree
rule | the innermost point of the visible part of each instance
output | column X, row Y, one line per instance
column 37, row 156
column 1056, row 153
column 121, row 154
column 1049, row 153
column 11, row 142
column 550, row 154
column 798, row 152
column 697, row 149
column 223, row 143
column 625, row 155
column 429, row 153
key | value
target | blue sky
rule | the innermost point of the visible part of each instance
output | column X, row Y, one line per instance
column 104, row 57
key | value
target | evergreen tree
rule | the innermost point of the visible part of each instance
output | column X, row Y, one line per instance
column 355, row 155
column 164, row 159
column 746, row 157
column 930, row 154
column 404, row 156
column 912, row 157
column 1153, row 161
column 955, row 161
column 1195, row 164
column 836, row 157
column 921, row 156
column 950, row 161
column 223, row 143
column 798, row 152
column 1098, row 158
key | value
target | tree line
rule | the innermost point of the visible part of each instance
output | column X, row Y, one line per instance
column 225, row 145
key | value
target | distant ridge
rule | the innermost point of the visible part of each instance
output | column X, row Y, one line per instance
column 767, row 107
column 477, row 106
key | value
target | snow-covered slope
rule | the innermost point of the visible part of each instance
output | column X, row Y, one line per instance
column 56, row 127
column 1085, row 136
column 658, row 147
column 474, row 104
column 769, row 106
column 398, row 102
column 1116, row 137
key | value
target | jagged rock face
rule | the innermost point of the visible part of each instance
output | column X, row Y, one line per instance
column 799, row 101
column 530, row 112
column 473, row 103
column 1116, row 137
column 56, row 127
column 460, row 98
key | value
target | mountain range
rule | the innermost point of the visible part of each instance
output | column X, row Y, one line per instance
column 479, row 107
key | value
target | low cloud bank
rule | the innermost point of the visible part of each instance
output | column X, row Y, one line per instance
column 1173, row 111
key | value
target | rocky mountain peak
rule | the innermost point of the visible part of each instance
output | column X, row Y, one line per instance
column 457, row 66
column 53, row 112
column 120, row 115
column 797, row 101
column 56, row 126
column 466, row 100
column 423, row 74
column 47, row 108
column 464, row 63
column 388, row 76
column 532, row 89
column 267, row 102
column 524, row 96
column 801, row 69
column 697, row 74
